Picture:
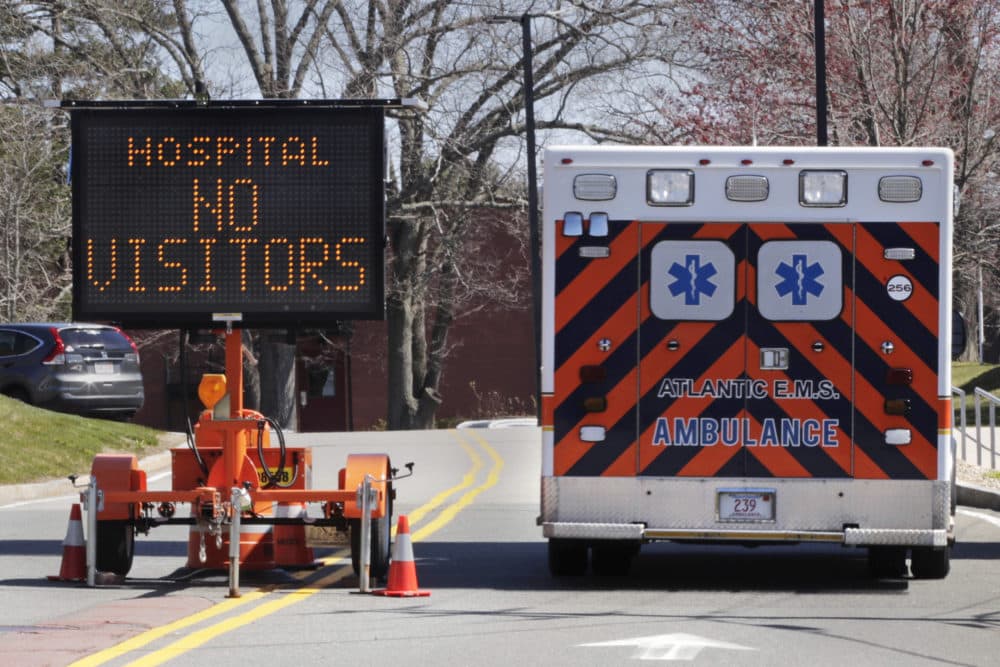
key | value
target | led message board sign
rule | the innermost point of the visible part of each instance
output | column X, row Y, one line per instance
column 191, row 216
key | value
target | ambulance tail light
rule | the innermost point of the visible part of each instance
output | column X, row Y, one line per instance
column 670, row 187
column 900, row 189
column 823, row 188
column 898, row 436
column 595, row 404
column 592, row 374
column 899, row 377
column 746, row 188
column 897, row 406
column 595, row 187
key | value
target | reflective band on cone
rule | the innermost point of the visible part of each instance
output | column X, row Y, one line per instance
column 402, row 570
column 74, row 557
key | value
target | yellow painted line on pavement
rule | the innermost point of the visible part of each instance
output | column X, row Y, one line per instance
column 152, row 635
column 292, row 596
column 452, row 510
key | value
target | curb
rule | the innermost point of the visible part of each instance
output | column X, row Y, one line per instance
column 971, row 495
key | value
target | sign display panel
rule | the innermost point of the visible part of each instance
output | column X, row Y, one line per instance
column 268, row 217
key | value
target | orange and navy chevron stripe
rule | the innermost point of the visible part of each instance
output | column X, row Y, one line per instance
column 607, row 300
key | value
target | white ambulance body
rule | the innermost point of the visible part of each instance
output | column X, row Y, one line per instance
column 747, row 345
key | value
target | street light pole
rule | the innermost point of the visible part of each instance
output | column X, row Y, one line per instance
column 534, row 242
column 536, row 273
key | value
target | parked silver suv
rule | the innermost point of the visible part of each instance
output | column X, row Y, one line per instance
column 90, row 369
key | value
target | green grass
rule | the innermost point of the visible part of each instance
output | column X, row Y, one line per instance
column 967, row 376
column 38, row 444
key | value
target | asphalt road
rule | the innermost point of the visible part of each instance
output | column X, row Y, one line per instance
column 472, row 503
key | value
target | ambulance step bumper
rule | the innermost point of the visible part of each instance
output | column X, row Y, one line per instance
column 849, row 537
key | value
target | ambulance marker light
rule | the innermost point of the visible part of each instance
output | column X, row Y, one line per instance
column 823, row 188
column 593, row 374
column 900, row 254
column 573, row 224
column 595, row 404
column 898, row 436
column 704, row 162
column 592, row 433
column 899, row 377
column 595, row 252
column 598, row 224
column 670, row 187
column 897, row 406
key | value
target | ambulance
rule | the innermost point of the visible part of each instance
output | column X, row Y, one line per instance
column 747, row 346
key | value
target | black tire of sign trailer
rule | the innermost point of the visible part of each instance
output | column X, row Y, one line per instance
column 887, row 562
column 381, row 530
column 567, row 558
column 930, row 563
column 612, row 558
column 115, row 546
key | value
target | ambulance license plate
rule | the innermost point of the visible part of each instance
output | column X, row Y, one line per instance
column 745, row 505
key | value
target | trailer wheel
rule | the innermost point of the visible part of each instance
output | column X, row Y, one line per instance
column 612, row 558
column 115, row 546
column 567, row 558
column 381, row 530
column 887, row 562
column 930, row 563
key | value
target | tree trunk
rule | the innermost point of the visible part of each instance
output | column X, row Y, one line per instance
column 277, row 380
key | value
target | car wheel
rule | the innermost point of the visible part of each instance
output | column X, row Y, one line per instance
column 18, row 394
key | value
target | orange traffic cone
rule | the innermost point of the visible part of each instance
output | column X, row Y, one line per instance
column 402, row 569
column 74, row 558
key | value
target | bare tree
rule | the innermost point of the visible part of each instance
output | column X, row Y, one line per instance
column 34, row 217
column 899, row 72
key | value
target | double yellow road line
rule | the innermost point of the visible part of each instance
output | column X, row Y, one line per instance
column 269, row 602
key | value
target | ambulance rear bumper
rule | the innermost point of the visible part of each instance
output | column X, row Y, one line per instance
column 849, row 512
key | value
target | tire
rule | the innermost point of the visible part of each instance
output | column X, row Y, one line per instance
column 567, row 558
column 930, row 563
column 18, row 394
column 887, row 562
column 612, row 558
column 115, row 546
column 381, row 530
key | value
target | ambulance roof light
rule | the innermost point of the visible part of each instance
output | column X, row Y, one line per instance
column 823, row 188
column 900, row 189
column 670, row 187
column 747, row 188
column 595, row 187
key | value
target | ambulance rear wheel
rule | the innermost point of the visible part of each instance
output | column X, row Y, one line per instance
column 930, row 563
column 567, row 558
column 115, row 546
column 612, row 558
column 887, row 562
